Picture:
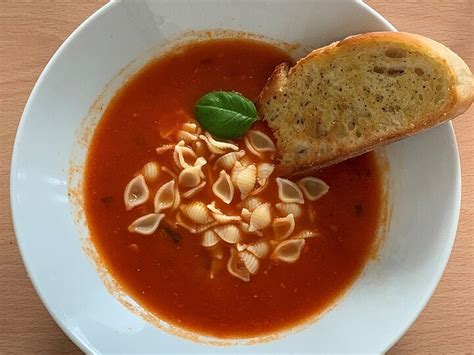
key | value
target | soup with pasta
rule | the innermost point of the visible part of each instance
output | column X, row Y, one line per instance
column 202, row 231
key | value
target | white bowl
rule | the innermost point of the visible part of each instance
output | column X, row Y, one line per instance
column 385, row 300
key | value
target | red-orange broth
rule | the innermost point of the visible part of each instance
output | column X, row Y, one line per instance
column 170, row 278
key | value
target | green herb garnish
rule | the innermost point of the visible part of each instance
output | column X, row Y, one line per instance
column 225, row 115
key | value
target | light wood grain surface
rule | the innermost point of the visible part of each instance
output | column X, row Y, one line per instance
column 30, row 32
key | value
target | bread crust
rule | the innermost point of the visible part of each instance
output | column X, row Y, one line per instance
column 462, row 91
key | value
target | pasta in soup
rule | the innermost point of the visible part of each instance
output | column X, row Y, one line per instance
column 202, row 231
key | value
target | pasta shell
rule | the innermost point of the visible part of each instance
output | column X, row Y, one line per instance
column 228, row 160
column 246, row 160
column 287, row 208
column 288, row 251
column 151, row 171
column 204, row 227
column 260, row 141
column 306, row 234
column 209, row 238
column 260, row 248
column 165, row 197
column 246, row 214
column 217, row 147
column 223, row 187
column 264, row 170
column 251, row 149
column 147, row 224
column 164, row 148
column 261, row 217
column 200, row 162
column 228, row 233
column 190, row 127
column 212, row 207
column 246, row 180
column 250, row 261
column 197, row 212
column 244, row 227
column 200, row 148
column 221, row 217
column 258, row 190
column 236, row 267
column 136, row 192
column 190, row 193
column 187, row 137
column 241, row 246
column 190, row 177
column 179, row 154
column 252, row 203
column 288, row 191
column 283, row 227
column 236, row 170
column 180, row 221
column 177, row 199
column 313, row 188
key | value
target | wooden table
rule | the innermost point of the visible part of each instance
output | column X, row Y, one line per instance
column 30, row 32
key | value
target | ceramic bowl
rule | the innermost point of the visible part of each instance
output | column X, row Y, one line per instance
column 71, row 94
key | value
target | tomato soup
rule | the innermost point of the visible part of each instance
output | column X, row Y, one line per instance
column 166, row 269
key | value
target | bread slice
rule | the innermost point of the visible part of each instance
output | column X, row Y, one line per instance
column 365, row 91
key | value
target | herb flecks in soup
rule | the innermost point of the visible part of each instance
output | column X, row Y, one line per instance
column 252, row 229
column 182, row 218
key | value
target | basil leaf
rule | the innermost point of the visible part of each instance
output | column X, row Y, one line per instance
column 225, row 115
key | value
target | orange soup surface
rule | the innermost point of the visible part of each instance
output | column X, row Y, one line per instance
column 169, row 272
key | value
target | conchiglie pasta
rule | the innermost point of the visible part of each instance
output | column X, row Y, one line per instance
column 260, row 141
column 223, row 187
column 252, row 203
column 283, row 227
column 136, row 192
column 246, row 180
column 250, row 261
column 236, row 267
column 164, row 148
column 236, row 170
column 187, row 137
column 233, row 214
column 228, row 233
column 165, row 197
column 151, row 171
column 209, row 238
column 313, row 188
column 182, row 222
column 264, row 170
column 261, row 217
column 288, row 191
column 227, row 161
column 197, row 212
column 261, row 248
column 191, row 192
column 183, row 156
column 217, row 147
column 190, row 127
column 147, row 224
column 287, row 208
column 288, row 251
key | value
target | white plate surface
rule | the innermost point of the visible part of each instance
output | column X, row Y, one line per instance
column 425, row 182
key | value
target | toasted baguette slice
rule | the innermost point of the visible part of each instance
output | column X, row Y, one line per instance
column 365, row 91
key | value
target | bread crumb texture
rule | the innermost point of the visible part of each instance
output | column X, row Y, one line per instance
column 343, row 98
